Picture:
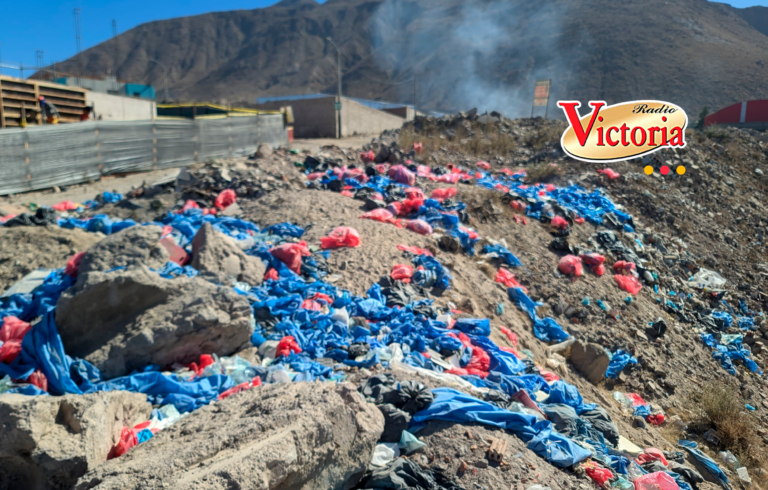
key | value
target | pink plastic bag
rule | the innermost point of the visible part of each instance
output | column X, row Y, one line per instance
column 441, row 195
column 272, row 274
column 13, row 329
column 511, row 336
column 559, row 222
column 652, row 454
column 73, row 264
column 414, row 193
column 630, row 284
column 402, row 175
column 610, row 173
column 448, row 178
column 410, row 206
column 65, row 206
column 570, row 265
column 623, row 265
column 380, row 214
column 414, row 250
column 226, row 198
column 484, row 165
column 508, row 279
column 343, row 236
column 315, row 175
column 419, row 226
column 656, row 481
column 38, row 379
column 594, row 262
column 401, row 272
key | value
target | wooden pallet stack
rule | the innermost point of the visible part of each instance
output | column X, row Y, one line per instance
column 18, row 95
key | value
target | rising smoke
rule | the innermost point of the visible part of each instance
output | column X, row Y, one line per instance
column 477, row 53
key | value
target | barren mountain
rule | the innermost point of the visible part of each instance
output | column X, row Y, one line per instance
column 480, row 53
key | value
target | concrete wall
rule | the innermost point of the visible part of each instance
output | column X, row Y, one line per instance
column 314, row 118
column 406, row 112
column 118, row 108
column 359, row 119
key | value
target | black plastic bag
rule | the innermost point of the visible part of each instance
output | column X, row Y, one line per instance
column 395, row 422
column 414, row 397
column 358, row 349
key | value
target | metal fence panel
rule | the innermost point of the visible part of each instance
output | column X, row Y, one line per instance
column 41, row 157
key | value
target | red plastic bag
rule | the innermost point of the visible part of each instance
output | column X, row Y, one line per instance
column 410, row 206
column 508, row 279
column 484, row 165
column 9, row 351
column 651, row 454
column 190, row 204
column 272, row 274
column 559, row 222
column 636, row 399
column 343, row 236
column 414, row 250
column 549, row 376
column 287, row 346
column 290, row 254
column 380, row 214
column 395, row 208
column 598, row 474
column 442, row 194
column 247, row 385
column 402, row 175
column 382, row 168
column 13, row 329
column 414, row 193
column 38, row 379
column 65, row 206
column 623, row 266
column 570, row 265
column 205, row 361
column 630, row 284
column 347, row 193
column 657, row 419
column 226, row 198
column 315, row 175
column 176, row 253
column 594, row 262
column 127, row 440
column 367, row 156
column 518, row 206
column 511, row 336
column 419, row 226
column 610, row 173
column 401, row 272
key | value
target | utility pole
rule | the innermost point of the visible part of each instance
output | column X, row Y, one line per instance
column 117, row 52
column 338, row 91
column 415, row 95
column 165, row 77
column 76, row 15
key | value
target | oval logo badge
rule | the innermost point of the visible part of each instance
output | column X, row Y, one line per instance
column 622, row 131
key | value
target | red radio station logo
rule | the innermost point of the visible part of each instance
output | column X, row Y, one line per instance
column 623, row 131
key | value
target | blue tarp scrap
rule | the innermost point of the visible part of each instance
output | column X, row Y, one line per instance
column 443, row 278
column 567, row 394
column 454, row 406
column 723, row 317
column 474, row 326
column 708, row 462
column 619, row 361
column 111, row 197
column 546, row 329
column 286, row 229
column 725, row 354
column 506, row 256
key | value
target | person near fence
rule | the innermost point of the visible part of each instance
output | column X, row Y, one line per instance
column 49, row 111
column 87, row 113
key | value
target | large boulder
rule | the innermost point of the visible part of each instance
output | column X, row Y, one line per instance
column 47, row 443
column 134, row 245
column 126, row 320
column 299, row 436
column 217, row 254
column 590, row 360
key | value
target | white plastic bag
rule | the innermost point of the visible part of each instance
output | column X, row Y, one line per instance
column 384, row 453
column 705, row 279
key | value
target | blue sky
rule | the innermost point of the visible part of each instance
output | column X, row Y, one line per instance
column 47, row 25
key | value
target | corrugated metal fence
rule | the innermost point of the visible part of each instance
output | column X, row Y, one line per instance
column 41, row 157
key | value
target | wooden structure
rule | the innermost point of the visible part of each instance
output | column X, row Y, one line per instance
column 19, row 95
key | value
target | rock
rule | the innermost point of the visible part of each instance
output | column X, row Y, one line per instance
column 126, row 320
column 263, row 151
column 309, row 436
column 134, row 245
column 638, row 422
column 48, row 442
column 233, row 211
column 215, row 253
column 590, row 360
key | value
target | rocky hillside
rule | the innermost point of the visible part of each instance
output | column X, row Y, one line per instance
column 483, row 53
